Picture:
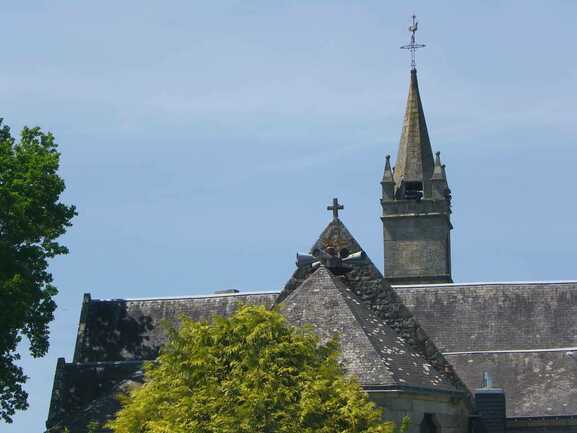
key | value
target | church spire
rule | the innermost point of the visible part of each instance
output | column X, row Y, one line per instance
column 415, row 157
column 414, row 166
column 416, row 200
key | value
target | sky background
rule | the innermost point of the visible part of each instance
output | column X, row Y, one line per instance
column 202, row 141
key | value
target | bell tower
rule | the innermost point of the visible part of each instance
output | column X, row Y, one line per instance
column 416, row 200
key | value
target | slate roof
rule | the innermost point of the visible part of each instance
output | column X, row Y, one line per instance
column 459, row 318
column 367, row 283
column 121, row 330
column 495, row 316
column 114, row 337
column 535, row 383
column 371, row 350
column 520, row 333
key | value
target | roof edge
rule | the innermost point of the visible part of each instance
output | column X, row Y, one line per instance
column 409, row 388
column 503, row 352
column 484, row 283
column 541, row 417
column 107, row 363
column 166, row 298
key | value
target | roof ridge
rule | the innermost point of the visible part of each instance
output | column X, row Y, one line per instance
column 506, row 351
column 482, row 283
column 209, row 295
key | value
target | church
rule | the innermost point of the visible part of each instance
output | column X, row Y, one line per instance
column 453, row 357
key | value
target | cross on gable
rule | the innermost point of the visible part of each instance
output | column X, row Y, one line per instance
column 335, row 208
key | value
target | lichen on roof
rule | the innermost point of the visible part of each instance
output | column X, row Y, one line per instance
column 371, row 349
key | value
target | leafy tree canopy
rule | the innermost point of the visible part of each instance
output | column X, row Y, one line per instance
column 250, row 373
column 31, row 219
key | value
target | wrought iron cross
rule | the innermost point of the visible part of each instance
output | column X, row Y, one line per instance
column 413, row 46
column 336, row 207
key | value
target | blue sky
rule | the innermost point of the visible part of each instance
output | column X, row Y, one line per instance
column 202, row 141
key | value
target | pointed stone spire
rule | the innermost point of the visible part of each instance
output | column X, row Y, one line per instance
column 415, row 157
column 416, row 213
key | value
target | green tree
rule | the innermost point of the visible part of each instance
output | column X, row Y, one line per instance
column 250, row 373
column 31, row 219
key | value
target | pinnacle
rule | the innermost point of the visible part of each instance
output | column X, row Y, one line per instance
column 438, row 171
column 388, row 176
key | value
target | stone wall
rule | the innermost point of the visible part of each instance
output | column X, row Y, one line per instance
column 416, row 246
column 450, row 412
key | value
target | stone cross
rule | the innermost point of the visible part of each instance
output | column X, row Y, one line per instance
column 335, row 208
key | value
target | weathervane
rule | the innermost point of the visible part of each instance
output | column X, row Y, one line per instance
column 413, row 46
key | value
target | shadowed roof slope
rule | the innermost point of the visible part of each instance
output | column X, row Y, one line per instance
column 371, row 350
column 85, row 393
column 114, row 337
column 129, row 329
